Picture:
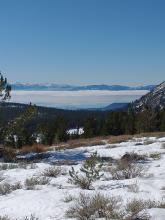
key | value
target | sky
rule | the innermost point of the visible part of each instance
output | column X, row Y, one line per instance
column 83, row 41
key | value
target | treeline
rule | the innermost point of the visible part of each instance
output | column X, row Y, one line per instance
column 118, row 123
column 22, row 125
column 29, row 126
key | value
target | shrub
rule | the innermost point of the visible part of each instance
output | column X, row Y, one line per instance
column 99, row 206
column 68, row 198
column 4, row 217
column 126, row 170
column 9, row 155
column 155, row 156
column 30, row 183
column 133, row 188
column 16, row 186
column 52, row 171
column 32, row 217
column 6, row 166
column 133, row 157
column 25, row 165
column 6, row 188
column 148, row 142
column 163, row 145
column 1, row 178
column 136, row 209
column 90, row 172
column 96, row 206
column 9, row 166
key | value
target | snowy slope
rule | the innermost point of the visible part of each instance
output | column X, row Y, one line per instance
column 155, row 99
column 47, row 202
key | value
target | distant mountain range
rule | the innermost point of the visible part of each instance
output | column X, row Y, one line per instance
column 111, row 107
column 57, row 87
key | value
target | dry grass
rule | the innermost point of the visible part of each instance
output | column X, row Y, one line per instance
column 37, row 148
column 71, row 144
column 101, row 140
column 106, row 139
column 150, row 134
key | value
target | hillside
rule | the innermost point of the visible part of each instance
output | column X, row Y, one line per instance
column 9, row 111
column 154, row 100
column 132, row 191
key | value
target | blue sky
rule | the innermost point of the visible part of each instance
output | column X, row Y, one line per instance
column 83, row 41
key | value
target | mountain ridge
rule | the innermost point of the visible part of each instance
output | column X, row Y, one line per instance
column 154, row 100
column 65, row 87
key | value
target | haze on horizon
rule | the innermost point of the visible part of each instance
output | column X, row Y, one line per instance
column 83, row 42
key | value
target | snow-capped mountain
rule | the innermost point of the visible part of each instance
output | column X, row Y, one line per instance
column 65, row 87
column 154, row 99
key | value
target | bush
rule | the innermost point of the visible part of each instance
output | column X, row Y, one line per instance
column 7, row 188
column 25, row 165
column 6, row 166
column 99, row 206
column 68, row 198
column 16, row 186
column 155, row 156
column 32, row 217
column 136, row 209
column 163, row 145
column 148, row 142
column 96, row 206
column 133, row 157
column 52, row 171
column 133, row 188
column 30, row 183
column 90, row 172
column 126, row 170
column 9, row 166
column 9, row 155
column 4, row 217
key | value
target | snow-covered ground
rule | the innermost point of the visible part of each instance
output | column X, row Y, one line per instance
column 48, row 201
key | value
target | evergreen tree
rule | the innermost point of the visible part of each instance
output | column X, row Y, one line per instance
column 5, row 88
column 17, row 132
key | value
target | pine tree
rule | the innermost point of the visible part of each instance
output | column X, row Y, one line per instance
column 17, row 132
column 5, row 88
